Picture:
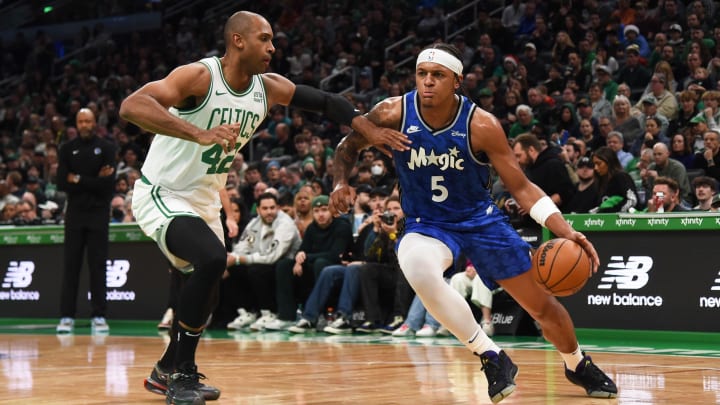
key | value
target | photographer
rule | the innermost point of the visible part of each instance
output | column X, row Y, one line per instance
column 380, row 277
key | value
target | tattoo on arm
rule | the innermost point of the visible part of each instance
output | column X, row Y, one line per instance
column 346, row 155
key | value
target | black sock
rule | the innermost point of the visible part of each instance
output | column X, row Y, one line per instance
column 187, row 342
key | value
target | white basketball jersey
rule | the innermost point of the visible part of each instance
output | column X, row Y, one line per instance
column 196, row 171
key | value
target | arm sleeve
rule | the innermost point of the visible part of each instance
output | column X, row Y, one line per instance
column 334, row 106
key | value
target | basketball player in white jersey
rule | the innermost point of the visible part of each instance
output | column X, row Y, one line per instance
column 203, row 113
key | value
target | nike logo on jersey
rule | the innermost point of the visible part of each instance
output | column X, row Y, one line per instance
column 217, row 93
column 412, row 129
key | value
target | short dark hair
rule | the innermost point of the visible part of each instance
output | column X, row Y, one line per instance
column 705, row 181
column 267, row 195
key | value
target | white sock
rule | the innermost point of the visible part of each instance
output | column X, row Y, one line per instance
column 479, row 343
column 572, row 359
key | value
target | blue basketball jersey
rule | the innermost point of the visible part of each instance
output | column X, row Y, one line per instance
column 441, row 182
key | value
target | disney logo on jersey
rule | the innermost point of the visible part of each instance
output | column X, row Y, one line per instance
column 449, row 160
column 455, row 132
column 248, row 120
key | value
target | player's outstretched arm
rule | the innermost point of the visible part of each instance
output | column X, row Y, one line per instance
column 336, row 108
column 530, row 197
column 148, row 107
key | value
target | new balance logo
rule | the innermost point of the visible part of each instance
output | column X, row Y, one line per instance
column 116, row 273
column 19, row 274
column 630, row 275
column 412, row 129
column 716, row 287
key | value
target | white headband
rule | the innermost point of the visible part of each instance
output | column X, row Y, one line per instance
column 441, row 58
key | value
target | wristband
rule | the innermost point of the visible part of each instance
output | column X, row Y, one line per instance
column 542, row 209
column 237, row 260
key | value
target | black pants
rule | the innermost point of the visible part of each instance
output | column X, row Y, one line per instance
column 247, row 286
column 292, row 290
column 81, row 239
column 385, row 292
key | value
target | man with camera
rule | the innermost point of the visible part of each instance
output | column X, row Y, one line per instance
column 380, row 276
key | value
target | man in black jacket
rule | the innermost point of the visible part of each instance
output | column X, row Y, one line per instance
column 324, row 241
column 86, row 172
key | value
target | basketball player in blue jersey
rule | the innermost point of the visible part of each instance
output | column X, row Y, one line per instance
column 444, row 187
column 203, row 113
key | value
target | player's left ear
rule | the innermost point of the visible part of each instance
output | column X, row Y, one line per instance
column 458, row 81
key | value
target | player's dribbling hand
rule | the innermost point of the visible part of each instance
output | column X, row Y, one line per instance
column 223, row 135
column 341, row 199
column 583, row 241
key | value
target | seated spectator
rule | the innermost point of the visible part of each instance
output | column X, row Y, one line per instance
column 586, row 195
column 615, row 186
column 709, row 158
column 681, row 150
column 303, row 209
column 705, row 190
column 600, row 106
column 324, row 241
column 609, row 86
column 665, row 100
column 267, row 238
column 625, row 123
column 653, row 135
column 688, row 109
column 420, row 323
column 665, row 196
column 344, row 274
column 470, row 286
column 664, row 166
column 525, row 121
column 633, row 72
column 381, row 276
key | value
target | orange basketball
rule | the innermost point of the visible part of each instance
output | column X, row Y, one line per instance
column 561, row 266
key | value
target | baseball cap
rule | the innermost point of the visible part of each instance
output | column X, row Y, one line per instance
column 485, row 92
column 585, row 162
column 530, row 45
column 363, row 188
column 583, row 102
column 603, row 68
column 715, row 201
column 320, row 200
column 698, row 118
column 649, row 99
column 676, row 27
column 633, row 49
column 273, row 164
column 381, row 191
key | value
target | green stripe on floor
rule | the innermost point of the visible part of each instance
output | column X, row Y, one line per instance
column 593, row 340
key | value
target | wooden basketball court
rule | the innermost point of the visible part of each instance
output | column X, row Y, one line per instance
column 277, row 368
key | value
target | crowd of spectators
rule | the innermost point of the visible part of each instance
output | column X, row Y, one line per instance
column 587, row 83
